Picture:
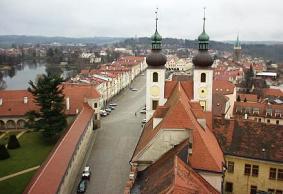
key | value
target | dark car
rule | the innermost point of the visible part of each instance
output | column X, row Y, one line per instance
column 82, row 186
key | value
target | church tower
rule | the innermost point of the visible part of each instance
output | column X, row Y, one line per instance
column 237, row 50
column 203, row 73
column 155, row 74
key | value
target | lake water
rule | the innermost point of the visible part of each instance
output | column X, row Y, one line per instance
column 18, row 78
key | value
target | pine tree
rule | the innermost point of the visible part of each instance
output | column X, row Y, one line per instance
column 13, row 142
column 238, row 98
column 4, row 154
column 48, row 95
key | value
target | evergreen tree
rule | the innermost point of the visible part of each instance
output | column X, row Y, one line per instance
column 48, row 95
column 4, row 154
column 238, row 98
column 13, row 142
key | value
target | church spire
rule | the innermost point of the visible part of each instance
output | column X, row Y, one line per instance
column 203, row 59
column 156, row 38
column 203, row 37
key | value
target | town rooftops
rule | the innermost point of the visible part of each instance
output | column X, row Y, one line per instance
column 183, row 114
column 48, row 178
column 272, row 92
column 172, row 174
column 250, row 139
column 18, row 102
column 223, row 87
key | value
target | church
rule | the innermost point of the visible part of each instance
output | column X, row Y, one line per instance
column 177, row 151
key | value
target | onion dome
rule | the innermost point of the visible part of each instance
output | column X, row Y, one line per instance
column 203, row 58
column 156, row 58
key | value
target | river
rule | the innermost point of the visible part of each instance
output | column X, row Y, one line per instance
column 17, row 77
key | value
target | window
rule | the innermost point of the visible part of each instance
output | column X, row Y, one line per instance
column 95, row 105
column 268, row 120
column 155, row 77
column 272, row 173
column 255, row 170
column 280, row 174
column 154, row 104
column 277, row 122
column 253, row 189
column 229, row 187
column 202, row 77
column 247, row 169
column 259, row 120
column 230, row 167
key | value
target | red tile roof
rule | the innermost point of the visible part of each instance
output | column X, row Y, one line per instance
column 249, row 138
column 248, row 97
column 13, row 100
column 207, row 154
column 13, row 103
column 49, row 176
column 223, row 87
column 171, row 173
column 272, row 92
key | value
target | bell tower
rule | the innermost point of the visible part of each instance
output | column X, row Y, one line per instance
column 203, row 73
column 237, row 50
column 155, row 74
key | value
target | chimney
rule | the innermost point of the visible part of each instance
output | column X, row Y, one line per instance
column 1, row 101
column 25, row 100
column 67, row 103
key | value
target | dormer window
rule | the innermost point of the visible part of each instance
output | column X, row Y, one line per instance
column 203, row 77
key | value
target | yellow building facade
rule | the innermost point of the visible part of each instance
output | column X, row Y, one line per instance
column 245, row 176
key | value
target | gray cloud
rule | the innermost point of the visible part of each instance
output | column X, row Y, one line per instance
column 253, row 19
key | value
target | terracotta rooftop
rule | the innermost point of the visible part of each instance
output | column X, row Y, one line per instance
column 48, row 178
column 171, row 173
column 250, row 139
column 272, row 92
column 248, row 97
column 218, row 104
column 207, row 154
column 223, row 87
column 13, row 100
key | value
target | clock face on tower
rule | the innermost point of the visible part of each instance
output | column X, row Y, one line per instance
column 154, row 91
column 202, row 92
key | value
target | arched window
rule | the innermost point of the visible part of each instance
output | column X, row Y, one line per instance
column 155, row 77
column 203, row 77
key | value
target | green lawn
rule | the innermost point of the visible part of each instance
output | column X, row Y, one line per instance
column 4, row 140
column 32, row 152
column 16, row 185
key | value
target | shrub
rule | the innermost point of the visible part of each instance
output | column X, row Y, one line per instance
column 4, row 154
column 13, row 142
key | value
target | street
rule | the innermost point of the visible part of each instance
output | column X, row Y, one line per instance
column 115, row 142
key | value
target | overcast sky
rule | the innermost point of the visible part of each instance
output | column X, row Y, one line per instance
column 253, row 19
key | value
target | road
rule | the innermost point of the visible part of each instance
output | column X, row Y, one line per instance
column 115, row 142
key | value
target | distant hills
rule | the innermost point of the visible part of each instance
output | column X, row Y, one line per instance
column 6, row 40
column 269, row 50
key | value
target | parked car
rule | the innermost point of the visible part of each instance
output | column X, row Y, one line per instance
column 134, row 89
column 86, row 173
column 144, row 108
column 143, row 121
column 82, row 186
column 103, row 113
column 143, row 111
column 113, row 104
column 112, row 107
column 142, row 74
column 108, row 110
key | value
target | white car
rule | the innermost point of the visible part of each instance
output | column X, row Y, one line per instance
column 103, row 113
column 86, row 173
column 113, row 104
column 143, row 111
column 134, row 89
column 143, row 121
